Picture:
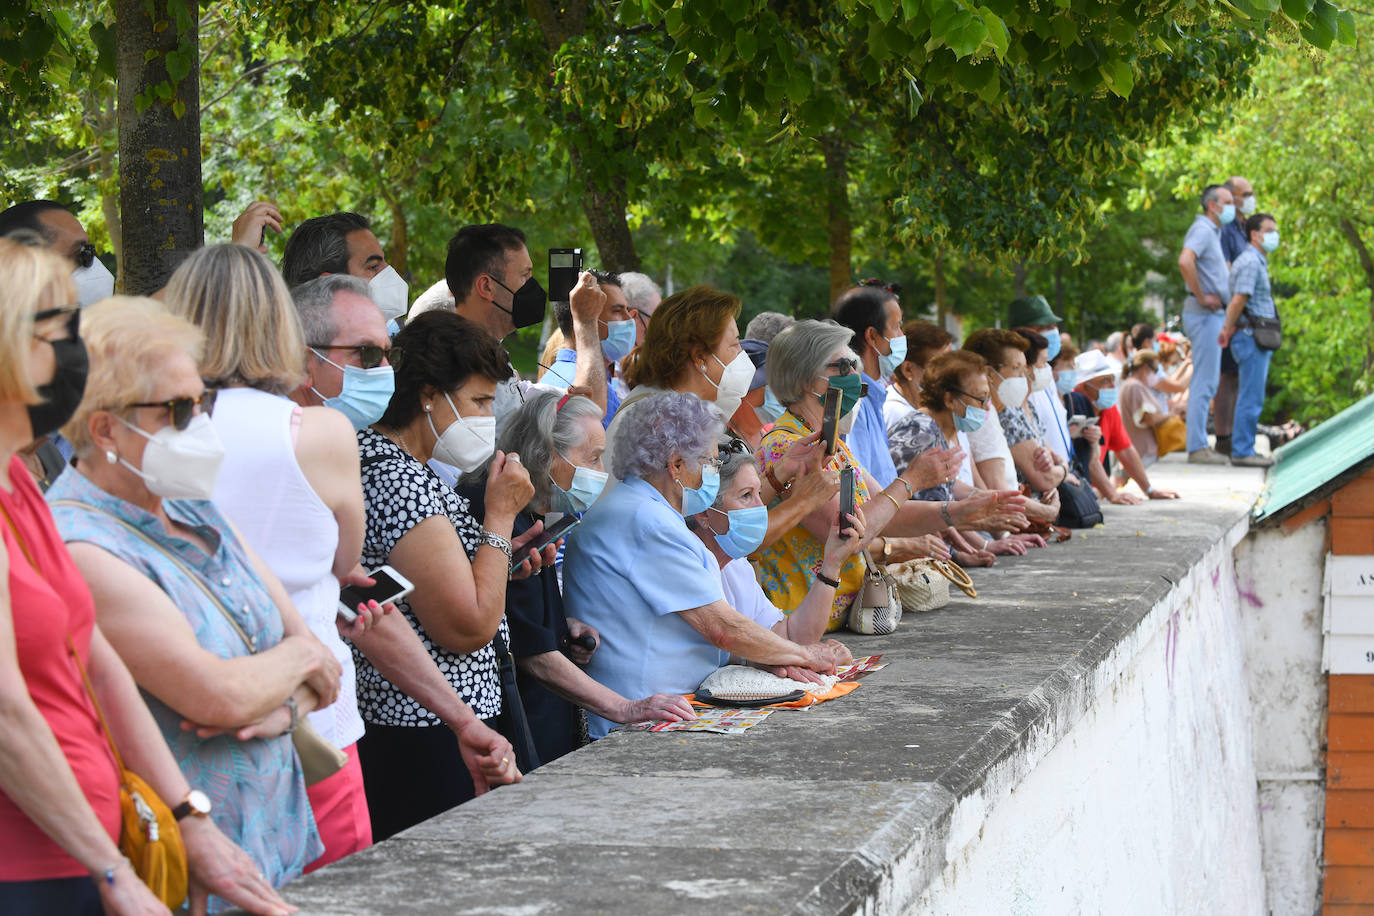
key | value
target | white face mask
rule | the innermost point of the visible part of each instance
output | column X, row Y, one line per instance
column 390, row 292
column 1044, row 378
column 847, row 421
column 467, row 443
column 1248, row 205
column 93, row 283
column 734, row 383
column 180, row 465
column 1012, row 392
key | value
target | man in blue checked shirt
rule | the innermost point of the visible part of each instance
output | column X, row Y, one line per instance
column 1251, row 297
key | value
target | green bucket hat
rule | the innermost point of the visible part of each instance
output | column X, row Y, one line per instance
column 1030, row 312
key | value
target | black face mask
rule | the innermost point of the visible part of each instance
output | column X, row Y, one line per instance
column 63, row 394
column 527, row 303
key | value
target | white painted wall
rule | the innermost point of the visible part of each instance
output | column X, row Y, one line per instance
column 1148, row 804
column 1279, row 580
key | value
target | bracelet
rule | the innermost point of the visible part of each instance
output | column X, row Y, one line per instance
column 776, row 484
column 910, row 493
column 823, row 578
column 896, row 505
column 109, row 873
column 290, row 704
column 944, row 514
column 493, row 539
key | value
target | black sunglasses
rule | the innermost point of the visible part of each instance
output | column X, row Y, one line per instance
column 85, row 255
column 73, row 313
column 370, row 356
column 183, row 409
column 732, row 445
column 844, row 366
column 893, row 288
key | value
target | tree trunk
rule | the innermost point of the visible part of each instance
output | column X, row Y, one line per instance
column 160, row 190
column 839, row 227
column 1018, row 271
column 1352, row 234
column 398, row 246
column 605, row 203
column 941, row 305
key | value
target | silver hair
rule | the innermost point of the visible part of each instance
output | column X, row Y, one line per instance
column 730, row 467
column 435, row 299
column 766, row 325
column 315, row 305
column 797, row 356
column 660, row 426
column 639, row 290
column 1212, row 192
column 538, row 430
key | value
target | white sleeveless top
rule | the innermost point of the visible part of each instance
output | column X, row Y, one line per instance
column 264, row 493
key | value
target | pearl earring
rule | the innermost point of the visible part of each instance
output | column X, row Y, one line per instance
column 427, row 408
column 110, row 456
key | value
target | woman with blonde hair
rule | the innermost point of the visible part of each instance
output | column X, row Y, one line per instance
column 206, row 629
column 59, row 788
column 290, row 483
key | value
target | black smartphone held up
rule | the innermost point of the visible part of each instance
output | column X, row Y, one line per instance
column 546, row 537
column 830, row 423
column 565, row 265
column 389, row 585
column 846, row 495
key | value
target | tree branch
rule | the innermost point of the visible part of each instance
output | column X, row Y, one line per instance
column 245, row 75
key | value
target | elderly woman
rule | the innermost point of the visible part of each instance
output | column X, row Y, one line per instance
column 1036, row 464
column 1142, row 407
column 693, row 346
column 732, row 528
column 647, row 584
column 204, row 627
column 417, row 524
column 59, row 789
column 560, row 439
column 924, row 341
column 289, row 483
column 803, row 361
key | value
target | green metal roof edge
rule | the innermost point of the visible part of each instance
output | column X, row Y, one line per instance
column 1318, row 456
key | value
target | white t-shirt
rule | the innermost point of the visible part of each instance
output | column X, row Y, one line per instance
column 742, row 590
column 895, row 406
column 988, row 442
column 1054, row 421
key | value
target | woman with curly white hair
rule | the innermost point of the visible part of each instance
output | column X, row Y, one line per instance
column 650, row 587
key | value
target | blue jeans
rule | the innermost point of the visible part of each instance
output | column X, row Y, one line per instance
column 1202, row 331
column 1254, row 372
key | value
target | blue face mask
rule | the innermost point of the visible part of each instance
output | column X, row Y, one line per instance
column 365, row 394
column 890, row 362
column 620, row 339
column 700, row 499
column 587, row 484
column 772, row 408
column 972, row 420
column 747, row 528
column 1105, row 398
column 1228, row 213
column 1066, row 379
column 1055, row 343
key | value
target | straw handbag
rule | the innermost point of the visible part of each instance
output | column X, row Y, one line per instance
column 923, row 583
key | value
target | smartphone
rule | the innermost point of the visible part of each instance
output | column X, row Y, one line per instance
column 565, row 265
column 546, row 537
column 389, row 585
column 830, row 422
column 846, row 495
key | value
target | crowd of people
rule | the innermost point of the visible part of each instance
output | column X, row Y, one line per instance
column 189, row 480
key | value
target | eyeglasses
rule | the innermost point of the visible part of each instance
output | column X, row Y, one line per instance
column 183, row 409
column 732, row 446
column 893, row 288
column 981, row 402
column 73, row 313
column 844, row 366
column 370, row 356
column 85, row 255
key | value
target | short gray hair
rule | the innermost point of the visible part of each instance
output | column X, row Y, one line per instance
column 435, row 299
column 730, row 467
column 767, row 325
column 1211, row 193
column 797, row 356
column 538, row 430
column 315, row 304
column 639, row 290
column 660, row 426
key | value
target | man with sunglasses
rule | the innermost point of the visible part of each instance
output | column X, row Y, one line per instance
column 63, row 234
column 348, row 350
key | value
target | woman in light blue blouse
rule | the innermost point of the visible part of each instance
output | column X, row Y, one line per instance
column 633, row 570
column 226, row 663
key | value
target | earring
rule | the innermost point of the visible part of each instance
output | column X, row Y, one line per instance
column 110, row 456
column 427, row 408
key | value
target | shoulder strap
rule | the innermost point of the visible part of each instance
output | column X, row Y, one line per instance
column 71, row 645
column 248, row 641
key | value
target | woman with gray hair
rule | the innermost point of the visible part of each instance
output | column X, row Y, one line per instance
column 652, row 589
column 803, row 361
column 559, row 437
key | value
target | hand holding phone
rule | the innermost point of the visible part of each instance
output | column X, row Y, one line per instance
column 830, row 422
column 388, row 586
column 564, row 266
column 846, row 495
column 546, row 537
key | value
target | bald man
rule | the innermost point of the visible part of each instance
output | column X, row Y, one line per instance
column 1233, row 240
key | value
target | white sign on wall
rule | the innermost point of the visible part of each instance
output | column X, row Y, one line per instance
column 1348, row 615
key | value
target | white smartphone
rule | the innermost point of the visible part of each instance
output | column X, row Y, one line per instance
column 389, row 586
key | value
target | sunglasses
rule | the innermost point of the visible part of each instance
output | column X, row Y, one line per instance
column 85, row 255
column 733, row 446
column 183, row 409
column 370, row 356
column 73, row 313
column 893, row 288
column 845, row 366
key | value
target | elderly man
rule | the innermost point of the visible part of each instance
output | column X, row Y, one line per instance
column 342, row 243
column 1233, row 235
column 1203, row 267
column 347, row 363
column 642, row 296
column 63, row 234
column 766, row 325
column 1251, row 299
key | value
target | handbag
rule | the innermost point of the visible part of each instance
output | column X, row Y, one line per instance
column 1268, row 331
column 517, row 723
column 923, row 583
column 1171, row 435
column 876, row 608
column 149, row 836
column 319, row 758
column 1078, row 506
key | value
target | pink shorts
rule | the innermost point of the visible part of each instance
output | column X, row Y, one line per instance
column 341, row 812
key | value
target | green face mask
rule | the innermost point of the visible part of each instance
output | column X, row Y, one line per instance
column 850, row 387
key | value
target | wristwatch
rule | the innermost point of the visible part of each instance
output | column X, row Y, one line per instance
column 196, row 803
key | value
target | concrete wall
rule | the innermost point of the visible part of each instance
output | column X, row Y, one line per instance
column 1148, row 804
column 1279, row 578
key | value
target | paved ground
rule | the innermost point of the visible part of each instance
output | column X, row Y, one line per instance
column 799, row 814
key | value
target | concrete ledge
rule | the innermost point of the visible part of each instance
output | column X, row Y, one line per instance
column 858, row 805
